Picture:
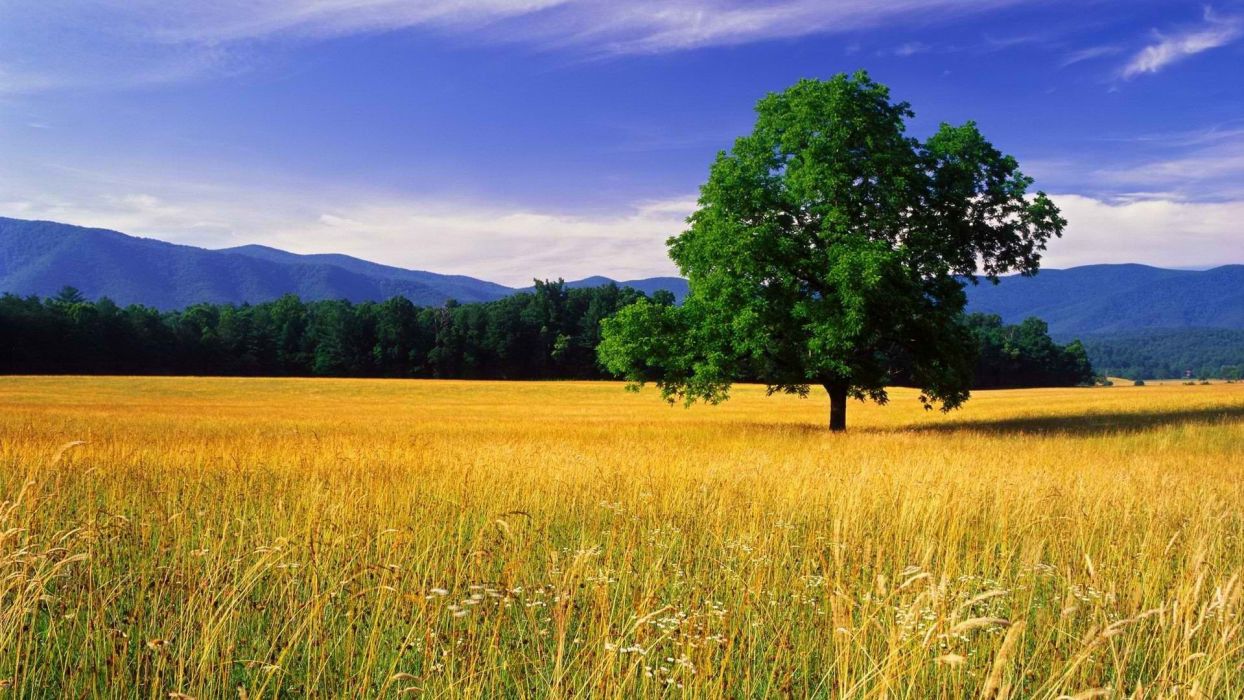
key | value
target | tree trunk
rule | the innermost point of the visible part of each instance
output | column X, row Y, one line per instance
column 837, row 407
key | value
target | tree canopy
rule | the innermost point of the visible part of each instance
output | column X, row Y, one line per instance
column 830, row 248
column 1024, row 355
column 549, row 333
column 1169, row 353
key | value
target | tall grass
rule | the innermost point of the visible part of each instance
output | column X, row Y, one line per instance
column 343, row 538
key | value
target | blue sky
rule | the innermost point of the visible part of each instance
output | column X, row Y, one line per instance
column 549, row 138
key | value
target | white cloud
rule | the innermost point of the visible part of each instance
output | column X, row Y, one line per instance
column 1215, row 133
column 1088, row 54
column 1170, row 49
column 653, row 26
column 141, row 214
column 507, row 244
column 126, row 43
column 632, row 25
column 910, row 48
column 1194, row 168
column 510, row 246
column 1200, row 164
column 177, row 21
column 513, row 244
column 1160, row 232
column 1208, row 163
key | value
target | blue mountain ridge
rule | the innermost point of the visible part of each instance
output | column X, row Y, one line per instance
column 41, row 257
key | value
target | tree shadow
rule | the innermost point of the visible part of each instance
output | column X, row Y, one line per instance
column 1087, row 424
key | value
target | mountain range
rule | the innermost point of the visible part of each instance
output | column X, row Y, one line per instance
column 41, row 257
column 1106, row 299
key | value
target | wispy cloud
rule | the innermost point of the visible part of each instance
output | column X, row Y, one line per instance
column 1155, row 231
column 111, row 43
column 1215, row 32
column 996, row 43
column 1207, row 163
column 907, row 49
column 1203, row 164
column 507, row 243
column 626, row 26
column 178, row 21
column 1230, row 132
column 521, row 244
column 1192, row 169
column 512, row 243
column 1088, row 54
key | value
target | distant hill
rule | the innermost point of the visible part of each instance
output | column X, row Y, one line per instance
column 1165, row 353
column 41, row 257
column 460, row 287
column 1096, row 299
column 675, row 285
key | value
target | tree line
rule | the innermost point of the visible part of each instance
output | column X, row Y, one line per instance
column 549, row 333
column 1024, row 355
column 1200, row 353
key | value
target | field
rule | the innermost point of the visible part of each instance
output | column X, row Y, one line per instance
column 166, row 538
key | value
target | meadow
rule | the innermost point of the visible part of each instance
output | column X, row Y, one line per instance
column 246, row 538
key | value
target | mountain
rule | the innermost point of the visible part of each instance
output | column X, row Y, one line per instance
column 675, row 285
column 460, row 287
column 1091, row 300
column 1099, row 299
column 41, row 257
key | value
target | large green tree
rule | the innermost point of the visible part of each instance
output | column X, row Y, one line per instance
column 830, row 248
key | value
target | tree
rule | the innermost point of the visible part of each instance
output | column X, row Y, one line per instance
column 1024, row 355
column 830, row 248
column 68, row 296
column 397, row 336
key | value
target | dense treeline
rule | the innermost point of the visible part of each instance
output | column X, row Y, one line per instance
column 549, row 333
column 1170, row 353
column 1024, row 355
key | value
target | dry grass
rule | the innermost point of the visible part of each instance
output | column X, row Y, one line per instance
column 252, row 538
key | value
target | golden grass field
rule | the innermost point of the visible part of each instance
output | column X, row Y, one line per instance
column 350, row 538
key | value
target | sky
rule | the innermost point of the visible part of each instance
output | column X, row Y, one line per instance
column 510, row 140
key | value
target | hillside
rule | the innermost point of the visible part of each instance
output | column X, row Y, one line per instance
column 41, row 257
column 675, row 285
column 1168, row 353
column 1096, row 299
column 459, row 287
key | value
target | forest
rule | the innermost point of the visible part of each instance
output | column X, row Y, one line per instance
column 549, row 333
column 1180, row 353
